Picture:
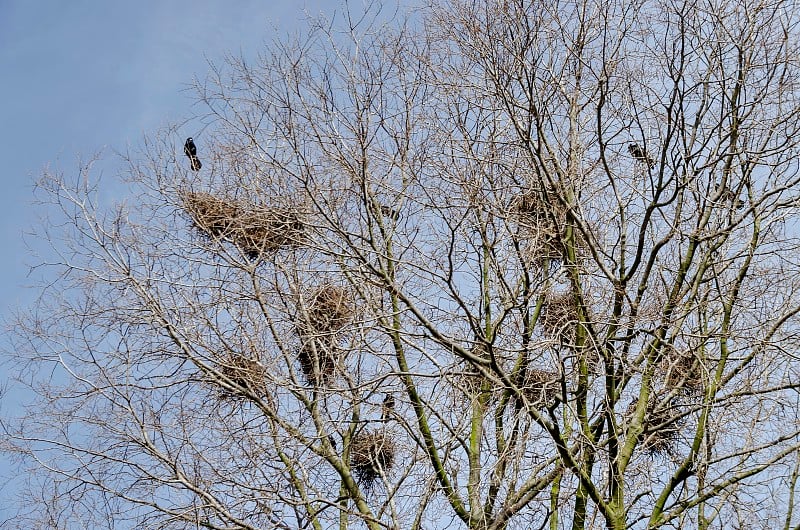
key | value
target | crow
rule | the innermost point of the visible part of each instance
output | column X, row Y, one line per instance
column 389, row 212
column 191, row 151
column 388, row 407
column 640, row 155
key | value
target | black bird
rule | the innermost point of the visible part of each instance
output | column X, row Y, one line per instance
column 640, row 155
column 191, row 151
column 389, row 212
column 388, row 407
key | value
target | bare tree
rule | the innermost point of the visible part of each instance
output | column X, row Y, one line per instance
column 504, row 265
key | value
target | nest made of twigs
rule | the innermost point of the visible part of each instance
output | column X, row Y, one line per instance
column 468, row 381
column 263, row 230
column 243, row 372
column 662, row 424
column 541, row 387
column 255, row 229
column 542, row 219
column 372, row 455
column 533, row 206
column 329, row 309
column 684, row 370
column 318, row 357
column 540, row 225
column 560, row 316
column 212, row 215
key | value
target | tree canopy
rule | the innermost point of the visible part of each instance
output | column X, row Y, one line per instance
column 499, row 264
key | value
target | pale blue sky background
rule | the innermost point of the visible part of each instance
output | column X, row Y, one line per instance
column 78, row 76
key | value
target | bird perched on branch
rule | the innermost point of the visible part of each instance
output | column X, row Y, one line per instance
column 730, row 197
column 388, row 407
column 389, row 212
column 640, row 155
column 191, row 151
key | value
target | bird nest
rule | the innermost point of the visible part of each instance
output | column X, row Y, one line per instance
column 662, row 425
column 538, row 204
column 540, row 223
column 560, row 316
column 684, row 371
column 255, row 229
column 372, row 455
column 264, row 230
column 541, row 388
column 243, row 372
column 542, row 219
column 329, row 310
column 318, row 357
column 212, row 215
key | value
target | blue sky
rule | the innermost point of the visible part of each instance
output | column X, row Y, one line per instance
column 83, row 76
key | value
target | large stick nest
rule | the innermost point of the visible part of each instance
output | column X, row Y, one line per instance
column 212, row 215
column 560, row 316
column 541, row 387
column 662, row 424
column 244, row 372
column 372, row 455
column 540, row 224
column 318, row 357
column 256, row 229
column 469, row 381
column 264, row 230
column 542, row 219
column 684, row 370
column 329, row 309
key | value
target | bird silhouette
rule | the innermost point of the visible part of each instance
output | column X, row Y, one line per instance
column 390, row 212
column 191, row 151
column 640, row 155
column 388, row 407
